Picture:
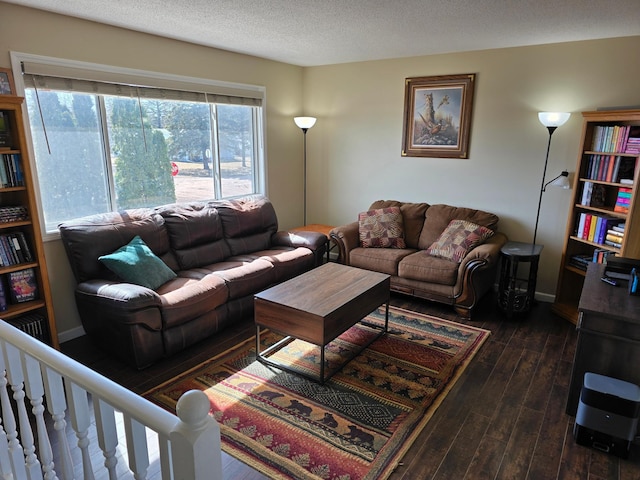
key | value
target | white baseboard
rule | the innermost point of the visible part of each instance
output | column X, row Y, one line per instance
column 70, row 334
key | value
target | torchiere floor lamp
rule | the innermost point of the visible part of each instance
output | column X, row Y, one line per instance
column 305, row 123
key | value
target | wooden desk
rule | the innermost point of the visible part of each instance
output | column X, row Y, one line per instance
column 608, row 334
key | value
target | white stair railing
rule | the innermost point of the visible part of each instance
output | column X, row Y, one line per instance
column 39, row 386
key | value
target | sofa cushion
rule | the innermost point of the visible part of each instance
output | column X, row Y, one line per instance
column 439, row 216
column 288, row 262
column 425, row 268
column 195, row 233
column 85, row 239
column 190, row 295
column 383, row 260
column 136, row 263
column 244, row 276
column 248, row 223
column 412, row 218
column 381, row 227
column 458, row 239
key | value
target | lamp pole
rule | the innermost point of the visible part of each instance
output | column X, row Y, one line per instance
column 544, row 174
column 305, row 123
column 551, row 120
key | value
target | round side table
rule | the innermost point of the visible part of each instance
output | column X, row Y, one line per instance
column 517, row 288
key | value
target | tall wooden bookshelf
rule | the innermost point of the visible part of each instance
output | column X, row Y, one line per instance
column 606, row 176
column 21, row 248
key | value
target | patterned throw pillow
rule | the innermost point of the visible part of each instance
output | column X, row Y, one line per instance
column 458, row 239
column 382, row 227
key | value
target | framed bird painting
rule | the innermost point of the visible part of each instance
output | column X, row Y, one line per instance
column 437, row 116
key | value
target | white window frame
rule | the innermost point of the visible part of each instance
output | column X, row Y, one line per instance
column 103, row 72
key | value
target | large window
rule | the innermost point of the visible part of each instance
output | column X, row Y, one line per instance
column 111, row 149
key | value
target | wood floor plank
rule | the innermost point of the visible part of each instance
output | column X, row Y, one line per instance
column 575, row 461
column 517, row 456
column 461, row 453
column 545, row 375
column 486, row 460
column 548, row 452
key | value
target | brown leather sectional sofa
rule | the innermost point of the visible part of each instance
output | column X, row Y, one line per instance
column 222, row 253
column 413, row 271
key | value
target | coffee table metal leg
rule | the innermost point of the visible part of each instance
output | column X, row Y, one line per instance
column 262, row 356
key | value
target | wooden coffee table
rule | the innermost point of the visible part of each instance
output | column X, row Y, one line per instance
column 317, row 307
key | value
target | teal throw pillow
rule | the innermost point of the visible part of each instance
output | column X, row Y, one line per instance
column 136, row 263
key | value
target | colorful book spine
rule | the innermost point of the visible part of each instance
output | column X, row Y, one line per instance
column 623, row 199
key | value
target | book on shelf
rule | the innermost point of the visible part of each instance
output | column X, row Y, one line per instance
column 632, row 144
column 622, row 200
column 23, row 286
column 5, row 133
column 610, row 168
column 32, row 324
column 612, row 138
column 613, row 244
column 580, row 261
column 11, row 174
column 15, row 213
column 626, row 171
column 14, row 249
column 587, row 189
column 594, row 228
column 614, row 236
column 598, row 196
column 4, row 298
column 601, row 255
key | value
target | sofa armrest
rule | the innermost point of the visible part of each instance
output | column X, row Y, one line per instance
column 311, row 240
column 314, row 241
column 477, row 273
column 346, row 238
column 117, row 295
column 487, row 253
column 123, row 319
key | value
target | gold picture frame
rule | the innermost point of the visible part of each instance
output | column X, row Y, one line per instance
column 6, row 82
column 437, row 116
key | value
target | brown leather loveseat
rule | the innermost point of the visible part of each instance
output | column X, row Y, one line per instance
column 214, row 257
column 424, row 251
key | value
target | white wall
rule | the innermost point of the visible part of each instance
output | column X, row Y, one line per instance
column 354, row 149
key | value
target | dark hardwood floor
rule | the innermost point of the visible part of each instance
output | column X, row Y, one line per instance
column 504, row 419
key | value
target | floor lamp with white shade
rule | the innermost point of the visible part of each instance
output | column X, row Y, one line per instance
column 305, row 123
column 551, row 120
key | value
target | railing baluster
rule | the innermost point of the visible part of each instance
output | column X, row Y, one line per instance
column 56, row 404
column 107, row 434
column 137, row 449
column 16, row 380
column 80, row 421
column 166, row 462
column 15, row 453
column 35, row 392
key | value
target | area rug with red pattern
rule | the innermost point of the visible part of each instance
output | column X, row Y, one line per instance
column 359, row 424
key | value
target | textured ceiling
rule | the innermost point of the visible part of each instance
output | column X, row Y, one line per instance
column 321, row 32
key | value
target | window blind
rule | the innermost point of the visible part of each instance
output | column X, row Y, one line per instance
column 102, row 82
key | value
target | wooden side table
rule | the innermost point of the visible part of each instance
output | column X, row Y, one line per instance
column 320, row 228
column 516, row 292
